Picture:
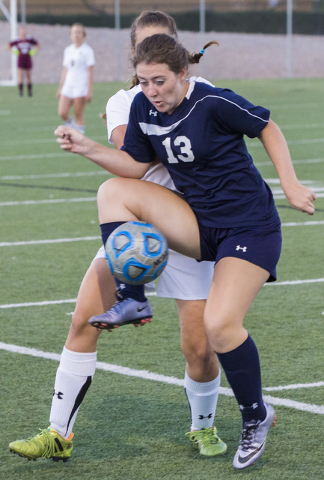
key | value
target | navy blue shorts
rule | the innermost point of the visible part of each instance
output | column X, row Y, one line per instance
column 259, row 245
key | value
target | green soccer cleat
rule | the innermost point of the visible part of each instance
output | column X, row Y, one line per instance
column 207, row 441
column 47, row 444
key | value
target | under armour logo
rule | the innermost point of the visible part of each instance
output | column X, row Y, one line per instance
column 244, row 249
column 122, row 286
column 253, row 406
column 201, row 417
column 153, row 113
column 58, row 394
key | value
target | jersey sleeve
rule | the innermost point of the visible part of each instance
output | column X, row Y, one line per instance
column 117, row 111
column 14, row 43
column 239, row 115
column 90, row 61
column 136, row 143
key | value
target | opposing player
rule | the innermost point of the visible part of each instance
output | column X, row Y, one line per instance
column 183, row 279
column 76, row 78
column 227, row 214
column 26, row 46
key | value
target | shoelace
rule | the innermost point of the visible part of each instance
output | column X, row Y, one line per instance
column 206, row 436
column 49, row 446
column 248, row 435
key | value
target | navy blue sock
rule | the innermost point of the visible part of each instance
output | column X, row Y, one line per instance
column 243, row 372
column 125, row 289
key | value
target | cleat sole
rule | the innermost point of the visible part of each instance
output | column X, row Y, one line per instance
column 109, row 326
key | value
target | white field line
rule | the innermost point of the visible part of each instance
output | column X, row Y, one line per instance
column 57, row 240
column 55, row 175
column 295, row 386
column 295, row 162
column 54, row 200
column 305, row 141
column 52, row 302
column 295, row 282
column 79, row 239
column 283, row 197
column 42, row 140
column 146, row 375
column 35, row 156
column 57, row 302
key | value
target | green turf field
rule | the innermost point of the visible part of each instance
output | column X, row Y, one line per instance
column 133, row 427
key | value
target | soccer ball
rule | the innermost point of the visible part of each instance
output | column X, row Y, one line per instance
column 136, row 252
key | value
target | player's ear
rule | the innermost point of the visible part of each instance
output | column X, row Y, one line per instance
column 183, row 74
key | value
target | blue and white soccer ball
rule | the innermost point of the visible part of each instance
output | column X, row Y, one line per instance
column 136, row 252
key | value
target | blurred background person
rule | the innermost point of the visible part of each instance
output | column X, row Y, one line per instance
column 25, row 46
column 76, row 78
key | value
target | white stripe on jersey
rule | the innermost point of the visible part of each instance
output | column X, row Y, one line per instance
column 149, row 129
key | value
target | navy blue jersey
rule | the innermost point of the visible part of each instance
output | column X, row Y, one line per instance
column 201, row 144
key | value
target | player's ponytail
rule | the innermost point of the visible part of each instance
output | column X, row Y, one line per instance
column 195, row 57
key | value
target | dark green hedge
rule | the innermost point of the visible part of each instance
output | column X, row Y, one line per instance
column 241, row 22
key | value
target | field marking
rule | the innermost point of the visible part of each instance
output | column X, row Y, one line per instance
column 294, row 386
column 305, row 141
column 146, row 375
column 55, row 175
column 79, row 239
column 44, row 140
column 57, row 302
column 57, row 240
column 52, row 302
column 295, row 162
column 55, row 200
column 35, row 156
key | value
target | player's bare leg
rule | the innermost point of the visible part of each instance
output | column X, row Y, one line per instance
column 202, row 365
column 125, row 199
column 79, row 107
column 64, row 106
column 96, row 295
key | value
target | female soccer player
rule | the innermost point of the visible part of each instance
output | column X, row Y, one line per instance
column 183, row 279
column 227, row 212
column 76, row 78
column 26, row 46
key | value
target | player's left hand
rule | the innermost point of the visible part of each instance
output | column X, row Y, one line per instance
column 300, row 197
column 88, row 97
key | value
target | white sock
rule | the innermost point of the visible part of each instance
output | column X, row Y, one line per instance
column 73, row 378
column 70, row 123
column 202, row 398
column 80, row 128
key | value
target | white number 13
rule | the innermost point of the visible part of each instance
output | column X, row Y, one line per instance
column 185, row 148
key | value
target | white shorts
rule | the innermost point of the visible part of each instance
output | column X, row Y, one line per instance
column 74, row 90
column 183, row 278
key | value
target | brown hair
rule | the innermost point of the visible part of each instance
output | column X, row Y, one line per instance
column 153, row 19
column 161, row 48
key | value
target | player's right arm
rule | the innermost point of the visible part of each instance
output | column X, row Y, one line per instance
column 114, row 161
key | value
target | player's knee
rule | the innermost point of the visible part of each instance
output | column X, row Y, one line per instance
column 197, row 352
column 109, row 191
column 220, row 330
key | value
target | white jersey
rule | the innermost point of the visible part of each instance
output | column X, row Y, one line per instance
column 77, row 61
column 183, row 278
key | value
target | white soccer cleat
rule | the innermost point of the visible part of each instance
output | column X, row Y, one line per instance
column 253, row 439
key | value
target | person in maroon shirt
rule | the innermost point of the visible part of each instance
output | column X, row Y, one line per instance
column 25, row 46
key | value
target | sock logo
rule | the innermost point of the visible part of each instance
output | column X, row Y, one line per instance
column 58, row 394
column 253, row 406
column 201, row 417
